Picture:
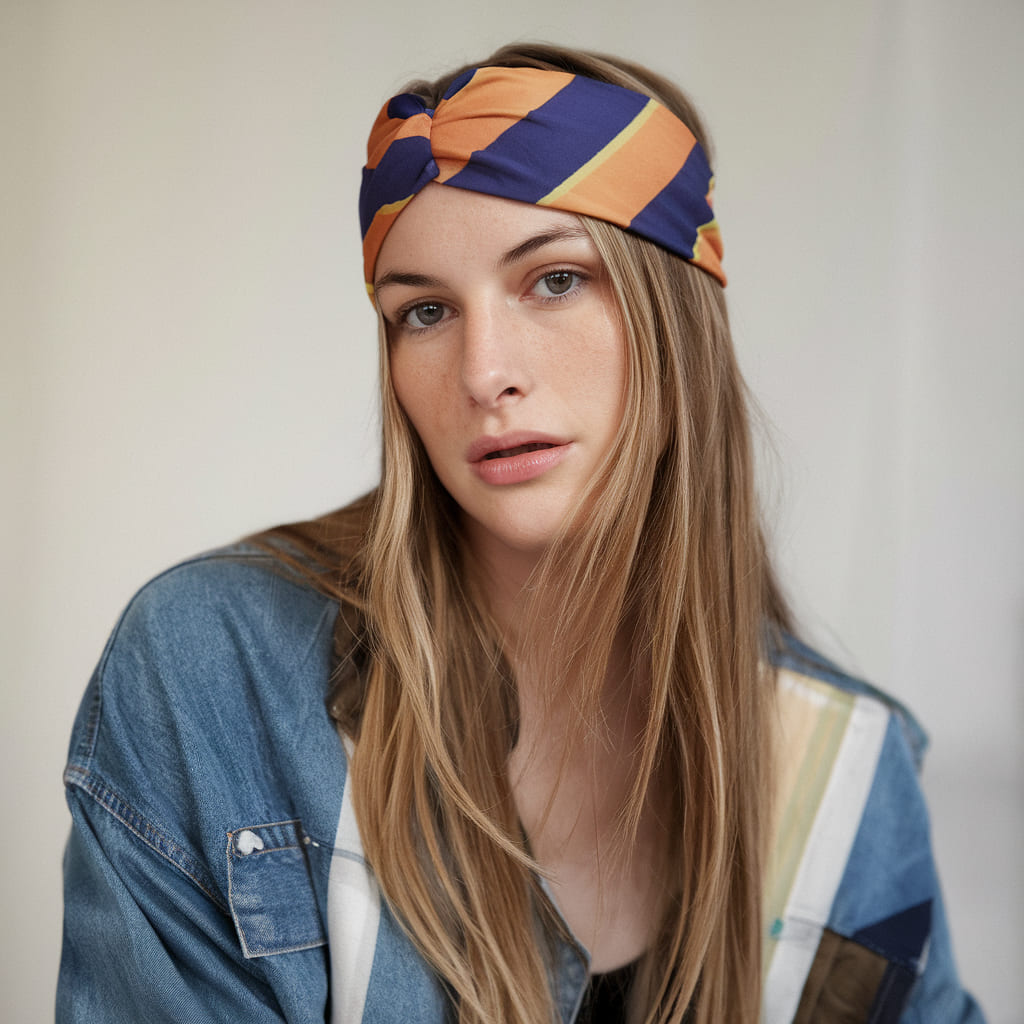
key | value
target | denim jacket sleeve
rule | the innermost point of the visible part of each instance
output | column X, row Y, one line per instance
column 191, row 872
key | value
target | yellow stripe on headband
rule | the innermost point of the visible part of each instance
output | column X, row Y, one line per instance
column 620, row 140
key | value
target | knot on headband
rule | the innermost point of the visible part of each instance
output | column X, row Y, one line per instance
column 548, row 138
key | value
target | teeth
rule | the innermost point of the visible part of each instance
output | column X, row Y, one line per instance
column 522, row 449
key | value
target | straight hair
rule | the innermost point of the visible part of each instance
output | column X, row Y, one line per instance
column 667, row 544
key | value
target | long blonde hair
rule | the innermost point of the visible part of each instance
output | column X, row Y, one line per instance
column 672, row 534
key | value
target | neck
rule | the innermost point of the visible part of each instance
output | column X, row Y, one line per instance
column 528, row 618
column 501, row 576
column 572, row 775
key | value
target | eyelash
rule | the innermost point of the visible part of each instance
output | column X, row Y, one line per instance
column 580, row 279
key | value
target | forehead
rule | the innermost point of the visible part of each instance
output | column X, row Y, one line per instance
column 447, row 223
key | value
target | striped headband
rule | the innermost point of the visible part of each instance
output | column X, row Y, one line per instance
column 548, row 138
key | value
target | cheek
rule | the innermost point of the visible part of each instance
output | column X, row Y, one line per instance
column 418, row 392
column 599, row 370
column 617, row 363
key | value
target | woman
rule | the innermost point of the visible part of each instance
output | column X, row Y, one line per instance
column 574, row 767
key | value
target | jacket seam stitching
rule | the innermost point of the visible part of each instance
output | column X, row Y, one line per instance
column 144, row 830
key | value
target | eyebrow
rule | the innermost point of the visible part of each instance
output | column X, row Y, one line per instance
column 508, row 259
column 412, row 280
column 524, row 249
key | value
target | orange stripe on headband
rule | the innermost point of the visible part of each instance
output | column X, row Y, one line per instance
column 386, row 130
column 462, row 127
column 548, row 138
column 630, row 171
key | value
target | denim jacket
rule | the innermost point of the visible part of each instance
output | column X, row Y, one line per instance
column 214, row 870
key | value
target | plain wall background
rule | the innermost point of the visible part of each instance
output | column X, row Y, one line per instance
column 188, row 354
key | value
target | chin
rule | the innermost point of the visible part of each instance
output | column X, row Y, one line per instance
column 528, row 538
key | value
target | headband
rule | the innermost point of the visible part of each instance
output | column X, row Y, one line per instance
column 548, row 138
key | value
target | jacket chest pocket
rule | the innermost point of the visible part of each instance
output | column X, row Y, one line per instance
column 270, row 889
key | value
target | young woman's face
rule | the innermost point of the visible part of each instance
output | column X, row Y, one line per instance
column 507, row 355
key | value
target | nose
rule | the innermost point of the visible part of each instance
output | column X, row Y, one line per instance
column 494, row 356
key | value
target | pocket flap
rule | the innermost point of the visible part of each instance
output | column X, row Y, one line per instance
column 270, row 889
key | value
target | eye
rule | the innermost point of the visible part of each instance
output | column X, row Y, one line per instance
column 557, row 283
column 423, row 315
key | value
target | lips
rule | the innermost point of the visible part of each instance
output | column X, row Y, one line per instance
column 516, row 457
column 505, row 446
column 520, row 449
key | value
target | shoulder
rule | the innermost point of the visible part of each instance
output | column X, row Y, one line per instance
column 240, row 587
column 848, row 796
column 799, row 665
column 209, row 697
column 233, row 607
column 852, row 882
column 206, row 780
column 229, row 625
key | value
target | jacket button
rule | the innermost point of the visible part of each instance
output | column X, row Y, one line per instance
column 247, row 842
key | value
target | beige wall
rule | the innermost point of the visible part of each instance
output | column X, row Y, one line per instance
column 188, row 354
